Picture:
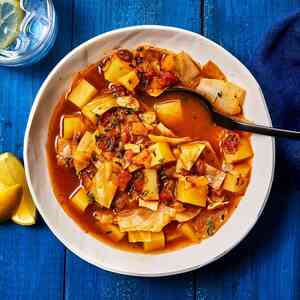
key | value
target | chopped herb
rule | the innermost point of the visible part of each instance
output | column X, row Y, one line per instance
column 91, row 197
column 110, row 144
column 137, row 175
column 161, row 160
column 99, row 136
column 144, row 194
column 163, row 176
column 139, row 60
column 131, row 110
column 130, row 188
column 119, row 155
column 114, row 122
column 97, row 117
column 240, row 181
column 210, row 227
column 79, row 173
column 94, row 156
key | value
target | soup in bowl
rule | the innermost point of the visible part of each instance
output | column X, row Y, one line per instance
column 142, row 169
column 174, row 190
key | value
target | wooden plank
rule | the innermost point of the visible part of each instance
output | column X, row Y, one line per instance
column 31, row 259
column 92, row 18
column 239, row 26
column 266, row 264
column 84, row 281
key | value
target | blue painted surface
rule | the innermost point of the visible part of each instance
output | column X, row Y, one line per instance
column 34, row 265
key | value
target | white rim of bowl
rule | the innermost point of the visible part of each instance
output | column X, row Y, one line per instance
column 26, row 145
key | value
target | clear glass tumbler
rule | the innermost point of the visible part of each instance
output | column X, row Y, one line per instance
column 37, row 34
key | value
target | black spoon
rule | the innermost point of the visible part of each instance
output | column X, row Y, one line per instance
column 234, row 124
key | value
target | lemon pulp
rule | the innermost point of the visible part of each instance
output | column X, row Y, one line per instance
column 12, row 173
column 11, row 16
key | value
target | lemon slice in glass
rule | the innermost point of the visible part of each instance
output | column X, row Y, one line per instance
column 11, row 16
column 11, row 173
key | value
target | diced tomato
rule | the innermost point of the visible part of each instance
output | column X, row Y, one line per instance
column 200, row 167
column 108, row 155
column 107, row 143
column 129, row 155
column 118, row 90
column 166, row 196
column 123, row 179
column 168, row 79
column 138, row 185
column 147, row 74
column 138, row 182
column 138, row 128
column 126, row 136
column 231, row 142
column 121, row 201
column 125, row 55
column 145, row 78
column 167, row 192
column 142, row 158
column 106, row 118
column 86, row 176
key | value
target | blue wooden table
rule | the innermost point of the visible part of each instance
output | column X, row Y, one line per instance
column 35, row 265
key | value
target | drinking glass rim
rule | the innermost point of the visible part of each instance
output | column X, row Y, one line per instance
column 33, row 55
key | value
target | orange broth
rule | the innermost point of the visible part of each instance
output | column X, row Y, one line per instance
column 196, row 124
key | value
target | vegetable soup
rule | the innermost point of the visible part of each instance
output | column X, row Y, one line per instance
column 143, row 170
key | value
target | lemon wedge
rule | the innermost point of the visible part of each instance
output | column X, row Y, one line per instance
column 12, row 173
column 10, row 198
column 11, row 16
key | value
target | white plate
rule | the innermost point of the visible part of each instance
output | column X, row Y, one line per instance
column 98, row 253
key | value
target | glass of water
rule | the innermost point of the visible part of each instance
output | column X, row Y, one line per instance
column 28, row 30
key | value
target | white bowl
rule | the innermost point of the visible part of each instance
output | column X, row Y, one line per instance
column 98, row 253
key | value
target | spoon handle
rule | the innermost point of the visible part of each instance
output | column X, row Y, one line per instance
column 265, row 130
